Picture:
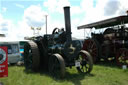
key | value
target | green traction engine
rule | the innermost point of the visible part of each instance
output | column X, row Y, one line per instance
column 54, row 52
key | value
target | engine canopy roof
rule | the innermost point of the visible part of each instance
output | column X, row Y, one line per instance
column 106, row 23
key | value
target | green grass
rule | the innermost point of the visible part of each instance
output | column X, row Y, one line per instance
column 102, row 74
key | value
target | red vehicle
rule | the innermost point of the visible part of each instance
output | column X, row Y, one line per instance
column 111, row 43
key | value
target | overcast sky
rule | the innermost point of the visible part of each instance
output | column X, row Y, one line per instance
column 18, row 16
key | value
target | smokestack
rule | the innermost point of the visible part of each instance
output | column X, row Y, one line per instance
column 67, row 23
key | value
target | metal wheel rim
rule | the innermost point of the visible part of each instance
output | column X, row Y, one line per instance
column 85, row 62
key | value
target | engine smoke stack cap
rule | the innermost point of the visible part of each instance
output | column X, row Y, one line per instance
column 66, row 7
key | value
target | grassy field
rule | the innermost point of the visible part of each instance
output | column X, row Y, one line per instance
column 102, row 74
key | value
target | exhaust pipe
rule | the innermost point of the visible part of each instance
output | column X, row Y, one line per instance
column 67, row 23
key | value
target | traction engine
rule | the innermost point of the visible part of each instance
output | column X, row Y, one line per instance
column 112, row 43
column 53, row 52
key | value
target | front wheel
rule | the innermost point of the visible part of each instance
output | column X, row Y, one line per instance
column 122, row 57
column 84, row 62
column 57, row 66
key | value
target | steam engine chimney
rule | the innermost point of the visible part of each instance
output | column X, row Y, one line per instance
column 67, row 23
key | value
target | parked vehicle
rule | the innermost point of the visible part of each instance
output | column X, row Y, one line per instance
column 13, row 51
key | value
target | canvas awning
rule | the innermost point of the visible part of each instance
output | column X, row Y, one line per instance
column 106, row 23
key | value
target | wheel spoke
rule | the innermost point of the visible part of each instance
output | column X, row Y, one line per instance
column 82, row 68
column 90, row 44
column 94, row 50
column 93, row 44
column 94, row 55
column 86, row 67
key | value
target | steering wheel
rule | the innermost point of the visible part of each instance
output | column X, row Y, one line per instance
column 55, row 31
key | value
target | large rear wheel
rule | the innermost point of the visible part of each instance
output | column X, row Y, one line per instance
column 84, row 62
column 31, row 56
column 92, row 46
column 57, row 66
